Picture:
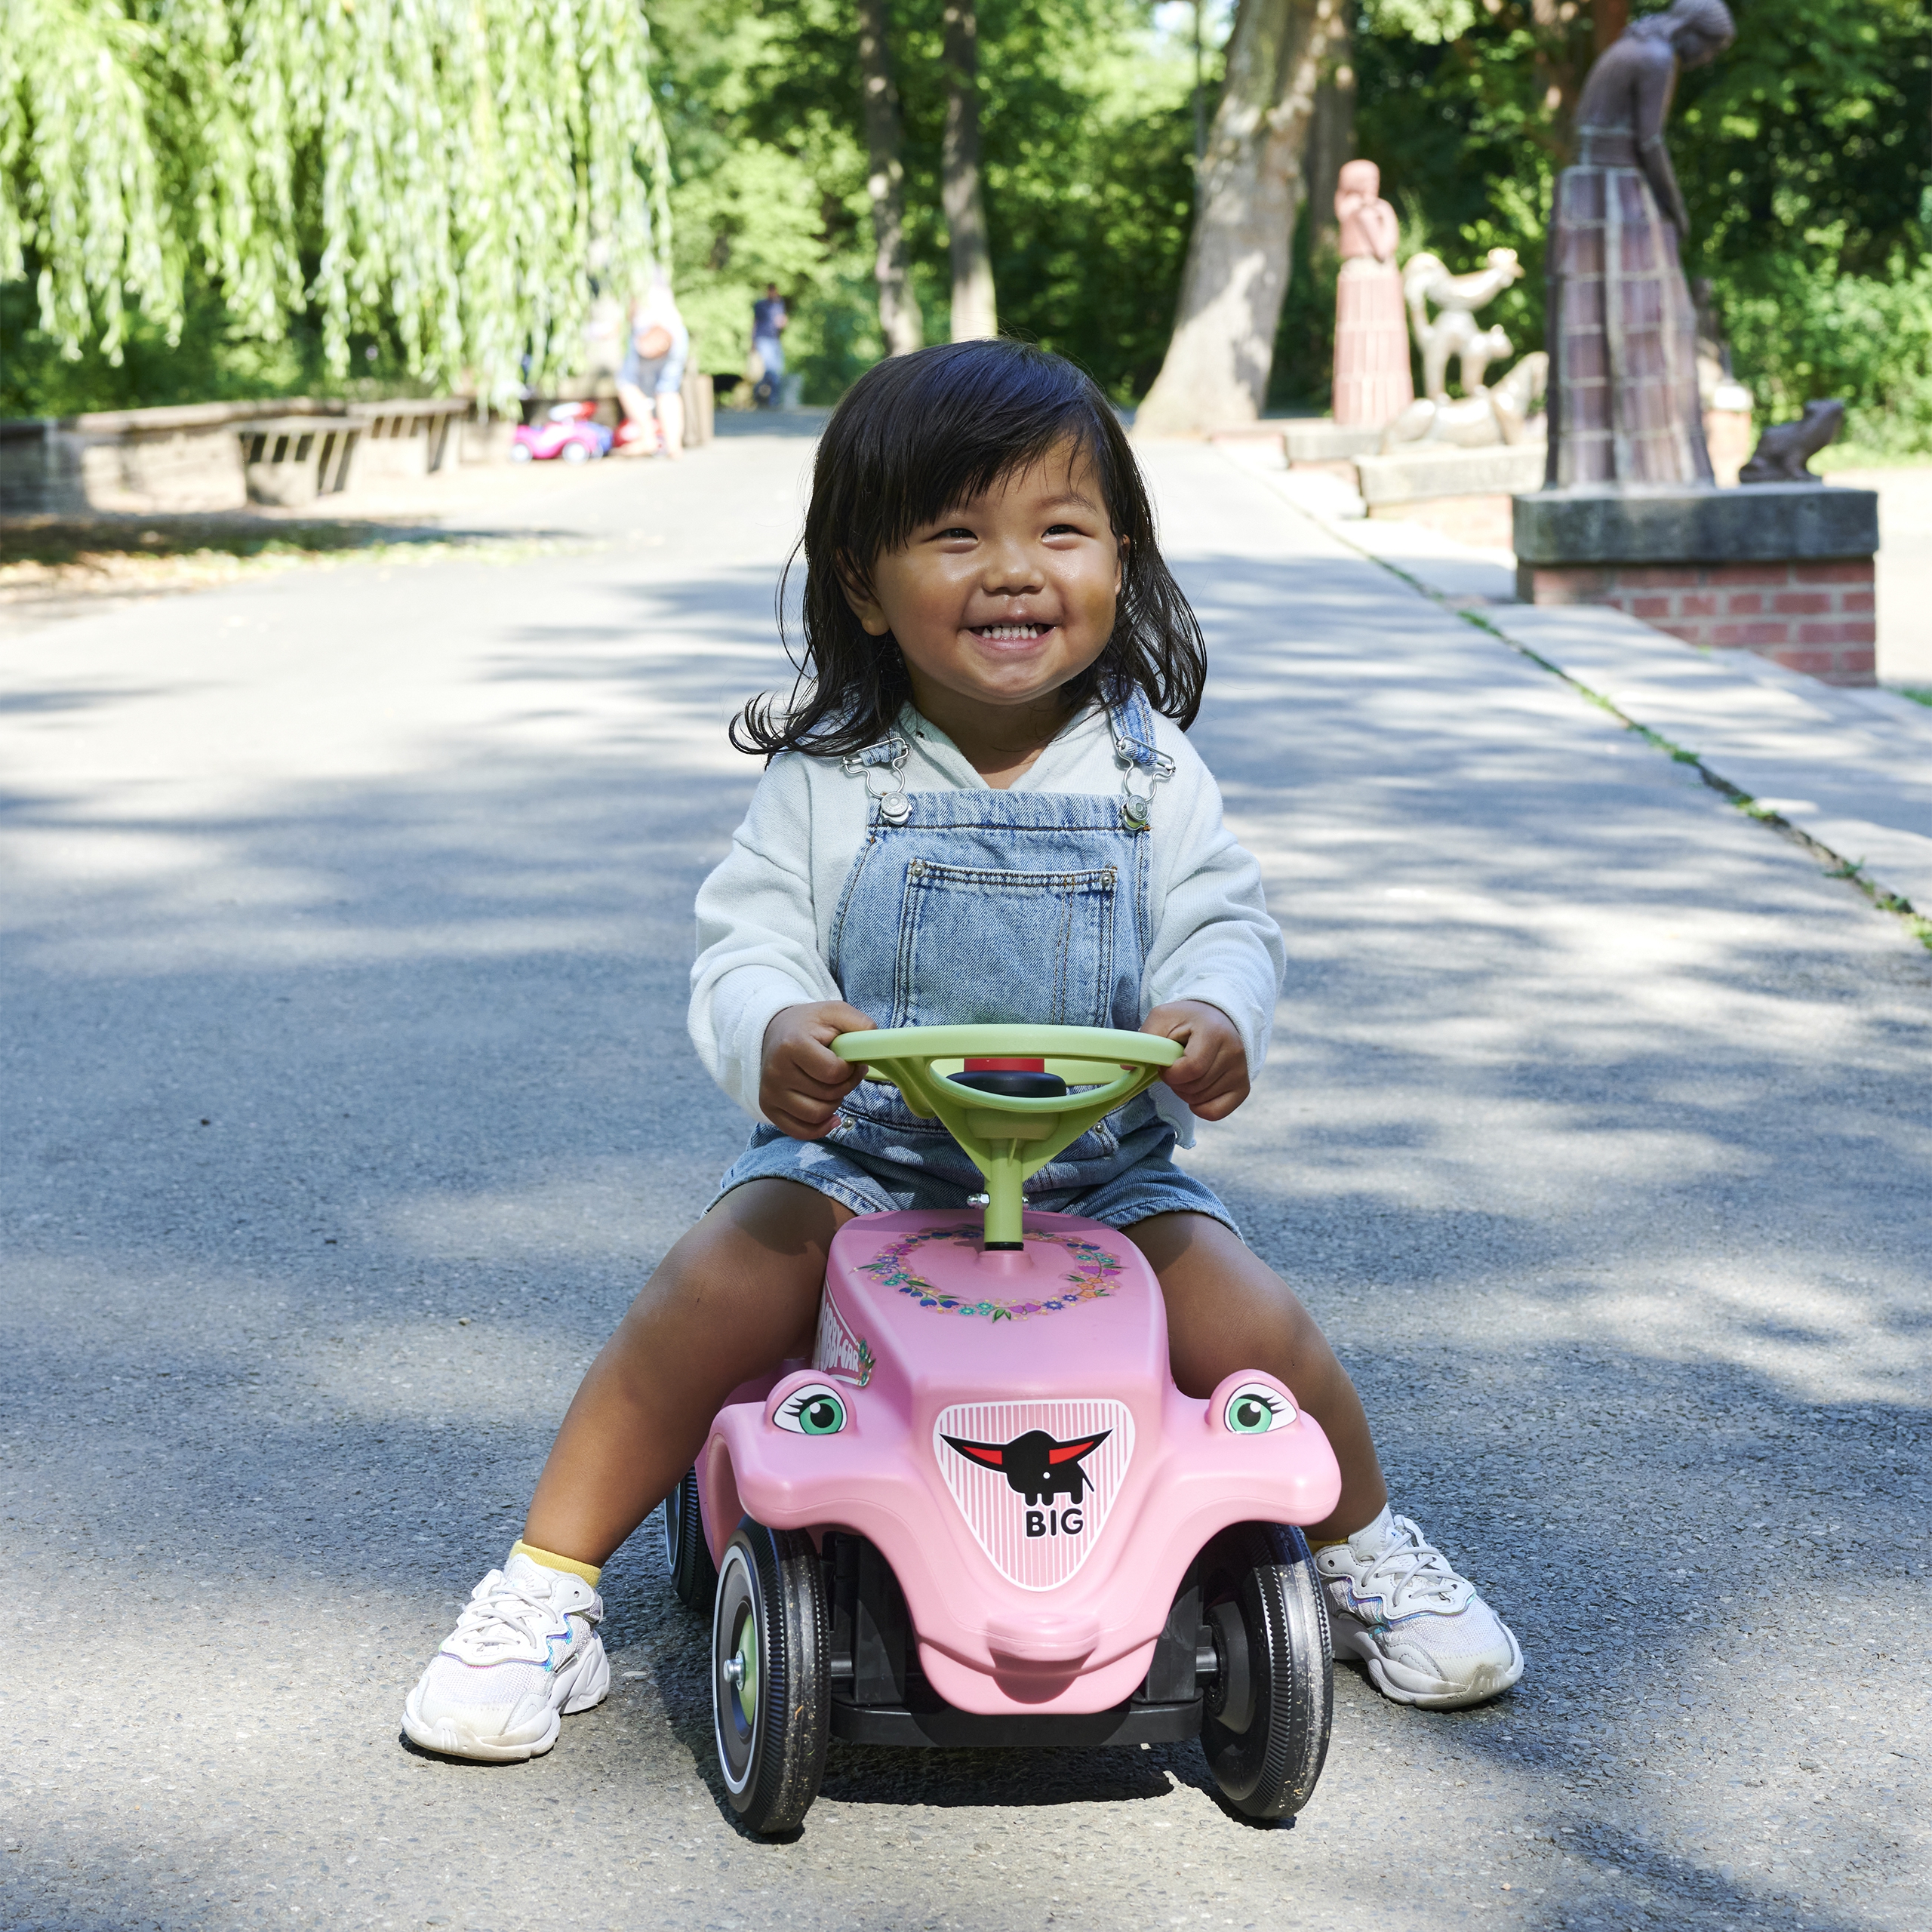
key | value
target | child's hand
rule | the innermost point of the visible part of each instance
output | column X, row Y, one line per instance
column 1212, row 1076
column 801, row 1080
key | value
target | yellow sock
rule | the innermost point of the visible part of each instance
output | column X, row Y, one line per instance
column 1317, row 1544
column 589, row 1572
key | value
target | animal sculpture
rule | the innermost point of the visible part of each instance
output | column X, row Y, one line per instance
column 1785, row 450
column 1503, row 414
column 1454, row 331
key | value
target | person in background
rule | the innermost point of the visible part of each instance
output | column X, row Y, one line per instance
column 768, row 324
column 651, row 384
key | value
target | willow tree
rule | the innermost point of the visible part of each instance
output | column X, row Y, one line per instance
column 437, row 172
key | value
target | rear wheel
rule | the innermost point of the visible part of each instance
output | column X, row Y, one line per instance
column 1269, row 1707
column 686, row 1555
column 770, row 1682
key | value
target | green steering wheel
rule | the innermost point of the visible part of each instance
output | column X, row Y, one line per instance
column 1007, row 1136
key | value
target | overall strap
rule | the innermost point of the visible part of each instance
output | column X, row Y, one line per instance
column 1131, row 720
column 883, row 767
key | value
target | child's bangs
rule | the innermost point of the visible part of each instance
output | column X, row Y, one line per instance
column 975, row 463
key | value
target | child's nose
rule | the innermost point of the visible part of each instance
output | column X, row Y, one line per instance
column 1012, row 568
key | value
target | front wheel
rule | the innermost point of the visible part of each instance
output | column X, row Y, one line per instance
column 771, row 1679
column 1271, row 1700
column 687, row 1555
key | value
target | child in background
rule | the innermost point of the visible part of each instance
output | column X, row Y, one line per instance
column 981, row 806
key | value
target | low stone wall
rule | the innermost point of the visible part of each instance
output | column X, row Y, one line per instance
column 192, row 458
column 1782, row 569
column 1821, row 618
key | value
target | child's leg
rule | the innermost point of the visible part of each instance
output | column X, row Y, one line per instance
column 737, row 1294
column 1227, row 1310
column 1395, row 1601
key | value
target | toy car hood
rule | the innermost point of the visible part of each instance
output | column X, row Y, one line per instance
column 1004, row 1427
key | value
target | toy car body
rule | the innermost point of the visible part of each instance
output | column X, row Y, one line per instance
column 983, row 1514
column 568, row 430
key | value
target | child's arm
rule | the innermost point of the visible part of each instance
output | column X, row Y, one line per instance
column 1215, row 960
column 759, row 950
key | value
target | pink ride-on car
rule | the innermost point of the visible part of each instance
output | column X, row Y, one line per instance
column 568, row 430
column 983, row 1515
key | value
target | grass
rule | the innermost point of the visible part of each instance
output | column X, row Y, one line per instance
column 1918, row 693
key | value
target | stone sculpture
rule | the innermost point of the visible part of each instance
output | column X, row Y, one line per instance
column 1454, row 331
column 1622, row 333
column 1372, row 381
column 1784, row 450
column 1491, row 417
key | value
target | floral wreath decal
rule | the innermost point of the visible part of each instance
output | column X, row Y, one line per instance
column 1094, row 1270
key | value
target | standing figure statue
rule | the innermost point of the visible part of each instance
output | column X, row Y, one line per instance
column 1623, row 400
column 1372, row 385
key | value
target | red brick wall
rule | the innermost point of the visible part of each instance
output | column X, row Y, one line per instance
column 1816, row 617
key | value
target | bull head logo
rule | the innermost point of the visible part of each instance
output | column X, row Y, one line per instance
column 1034, row 1466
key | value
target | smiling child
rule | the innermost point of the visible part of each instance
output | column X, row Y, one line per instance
column 980, row 805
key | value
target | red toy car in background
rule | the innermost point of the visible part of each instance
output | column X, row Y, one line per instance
column 568, row 430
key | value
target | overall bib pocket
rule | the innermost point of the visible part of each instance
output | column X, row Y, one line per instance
column 1052, row 933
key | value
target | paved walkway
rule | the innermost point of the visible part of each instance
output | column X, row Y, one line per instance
column 342, row 945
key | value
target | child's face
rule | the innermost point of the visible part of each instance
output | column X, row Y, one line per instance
column 1001, row 600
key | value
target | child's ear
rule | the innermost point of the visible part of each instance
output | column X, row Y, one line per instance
column 865, row 606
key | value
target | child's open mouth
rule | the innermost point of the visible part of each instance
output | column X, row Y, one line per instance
column 1010, row 633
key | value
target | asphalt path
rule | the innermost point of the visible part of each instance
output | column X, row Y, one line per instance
column 344, row 923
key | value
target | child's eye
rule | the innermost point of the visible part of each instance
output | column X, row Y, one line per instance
column 814, row 1410
column 1254, row 1409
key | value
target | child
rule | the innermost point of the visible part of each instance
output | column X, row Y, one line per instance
column 979, row 807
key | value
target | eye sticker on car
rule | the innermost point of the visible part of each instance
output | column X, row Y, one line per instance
column 1255, row 1408
column 814, row 1410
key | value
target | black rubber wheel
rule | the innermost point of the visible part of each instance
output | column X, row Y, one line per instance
column 770, row 1682
column 686, row 1555
column 1268, row 1708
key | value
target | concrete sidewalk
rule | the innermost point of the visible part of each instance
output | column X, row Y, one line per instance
column 1850, row 770
column 344, row 941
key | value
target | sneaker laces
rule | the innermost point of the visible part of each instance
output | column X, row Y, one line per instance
column 1412, row 1574
column 507, row 1614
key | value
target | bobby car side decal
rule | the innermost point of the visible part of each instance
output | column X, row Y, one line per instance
column 1035, row 1480
column 839, row 1352
column 1092, row 1277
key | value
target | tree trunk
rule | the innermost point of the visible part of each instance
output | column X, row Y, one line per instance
column 1216, row 373
column 974, row 311
column 1565, row 42
column 899, row 318
column 1331, row 135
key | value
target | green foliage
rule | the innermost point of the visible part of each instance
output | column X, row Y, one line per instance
column 761, row 106
column 1805, row 155
column 1087, row 128
column 425, row 178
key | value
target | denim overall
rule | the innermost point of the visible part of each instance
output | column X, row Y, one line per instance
column 966, row 906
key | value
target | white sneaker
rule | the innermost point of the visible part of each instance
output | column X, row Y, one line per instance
column 1395, row 1603
column 525, row 1649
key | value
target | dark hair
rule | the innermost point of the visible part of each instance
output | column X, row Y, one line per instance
column 915, row 435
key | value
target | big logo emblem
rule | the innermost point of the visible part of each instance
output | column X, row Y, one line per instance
column 1035, row 1480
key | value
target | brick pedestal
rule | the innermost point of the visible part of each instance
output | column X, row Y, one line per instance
column 1815, row 617
column 1783, row 569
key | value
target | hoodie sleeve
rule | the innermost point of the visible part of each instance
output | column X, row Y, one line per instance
column 1213, row 938
column 757, row 934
